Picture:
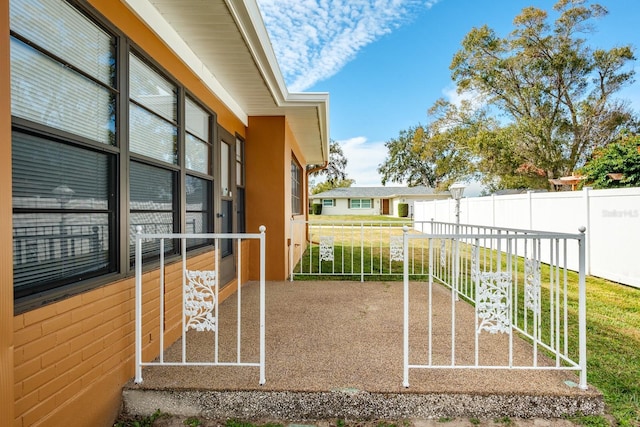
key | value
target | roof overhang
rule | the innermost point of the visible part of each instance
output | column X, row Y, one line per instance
column 225, row 43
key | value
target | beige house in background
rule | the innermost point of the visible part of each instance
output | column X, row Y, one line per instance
column 373, row 200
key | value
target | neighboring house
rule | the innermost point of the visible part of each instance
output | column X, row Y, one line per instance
column 373, row 200
column 170, row 115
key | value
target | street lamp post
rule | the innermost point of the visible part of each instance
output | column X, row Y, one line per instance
column 456, row 191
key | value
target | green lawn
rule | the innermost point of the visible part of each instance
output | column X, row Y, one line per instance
column 343, row 218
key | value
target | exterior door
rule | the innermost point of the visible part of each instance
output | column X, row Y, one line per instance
column 225, row 210
column 385, row 206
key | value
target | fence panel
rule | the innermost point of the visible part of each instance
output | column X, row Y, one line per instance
column 199, row 297
column 352, row 248
column 517, row 284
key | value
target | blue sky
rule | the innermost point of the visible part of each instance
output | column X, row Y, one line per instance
column 385, row 62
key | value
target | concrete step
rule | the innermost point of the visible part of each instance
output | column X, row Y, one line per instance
column 353, row 404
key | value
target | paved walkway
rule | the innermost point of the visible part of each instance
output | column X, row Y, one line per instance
column 346, row 338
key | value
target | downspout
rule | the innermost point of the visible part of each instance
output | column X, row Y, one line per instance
column 309, row 172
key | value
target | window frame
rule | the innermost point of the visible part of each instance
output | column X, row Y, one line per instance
column 297, row 184
column 44, row 293
column 121, row 157
column 332, row 203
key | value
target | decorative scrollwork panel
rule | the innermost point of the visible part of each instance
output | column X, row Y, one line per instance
column 532, row 284
column 493, row 302
column 396, row 248
column 326, row 248
column 200, row 300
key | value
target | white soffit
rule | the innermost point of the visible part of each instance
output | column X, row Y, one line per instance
column 226, row 45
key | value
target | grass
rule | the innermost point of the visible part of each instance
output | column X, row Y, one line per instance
column 357, row 218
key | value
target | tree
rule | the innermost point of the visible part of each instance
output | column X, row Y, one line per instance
column 335, row 171
column 557, row 91
column 405, row 163
column 440, row 153
column 326, row 185
column 616, row 165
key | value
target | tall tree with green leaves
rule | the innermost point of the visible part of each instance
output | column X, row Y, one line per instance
column 431, row 156
column 557, row 91
column 334, row 174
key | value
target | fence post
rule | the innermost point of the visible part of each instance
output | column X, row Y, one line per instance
column 587, row 209
column 138, row 268
column 582, row 311
column 405, row 279
column 263, row 379
column 362, row 251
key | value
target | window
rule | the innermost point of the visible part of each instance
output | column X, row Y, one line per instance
column 64, row 205
column 360, row 203
column 82, row 100
column 152, row 185
column 240, row 202
column 62, row 222
column 296, row 188
column 71, row 102
column 199, row 180
column 328, row 202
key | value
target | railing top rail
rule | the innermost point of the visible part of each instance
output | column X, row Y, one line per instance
column 528, row 236
column 202, row 235
column 580, row 229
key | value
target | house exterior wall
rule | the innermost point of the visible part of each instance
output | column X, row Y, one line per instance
column 269, row 151
column 342, row 208
column 6, row 258
column 65, row 363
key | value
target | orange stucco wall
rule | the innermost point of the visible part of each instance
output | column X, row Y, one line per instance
column 6, row 258
column 270, row 145
column 65, row 363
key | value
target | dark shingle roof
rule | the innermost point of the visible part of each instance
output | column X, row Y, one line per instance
column 374, row 192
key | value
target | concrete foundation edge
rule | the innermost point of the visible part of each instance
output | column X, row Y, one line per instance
column 355, row 405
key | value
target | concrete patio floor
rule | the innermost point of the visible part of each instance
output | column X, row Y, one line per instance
column 334, row 350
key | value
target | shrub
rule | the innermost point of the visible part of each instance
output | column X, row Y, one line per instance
column 317, row 209
column 403, row 210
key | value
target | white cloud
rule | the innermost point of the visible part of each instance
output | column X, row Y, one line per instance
column 314, row 39
column 363, row 159
column 453, row 96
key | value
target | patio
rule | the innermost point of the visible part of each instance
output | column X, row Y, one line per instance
column 334, row 350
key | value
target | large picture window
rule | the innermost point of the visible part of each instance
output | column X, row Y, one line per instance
column 360, row 203
column 99, row 147
column 296, row 188
column 64, row 183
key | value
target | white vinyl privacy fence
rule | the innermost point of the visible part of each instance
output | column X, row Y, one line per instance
column 525, row 309
column 611, row 218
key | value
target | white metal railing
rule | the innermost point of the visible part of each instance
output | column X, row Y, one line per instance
column 353, row 248
column 516, row 283
column 200, row 299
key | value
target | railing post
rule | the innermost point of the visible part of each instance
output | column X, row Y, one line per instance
column 263, row 379
column 582, row 310
column 362, row 251
column 405, row 279
column 138, row 302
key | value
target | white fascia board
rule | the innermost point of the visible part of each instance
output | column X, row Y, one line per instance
column 248, row 17
column 154, row 20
